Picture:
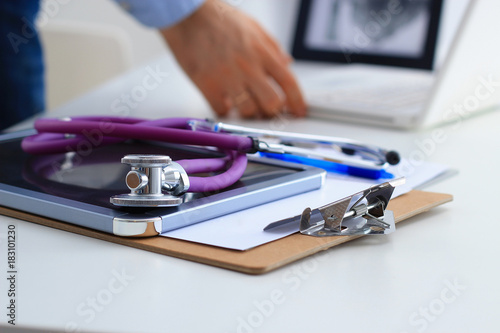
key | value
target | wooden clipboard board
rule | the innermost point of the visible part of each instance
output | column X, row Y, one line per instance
column 258, row 260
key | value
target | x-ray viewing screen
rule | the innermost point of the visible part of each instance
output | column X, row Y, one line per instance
column 373, row 31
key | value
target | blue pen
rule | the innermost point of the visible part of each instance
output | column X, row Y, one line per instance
column 332, row 166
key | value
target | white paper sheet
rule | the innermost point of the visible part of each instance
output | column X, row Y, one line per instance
column 244, row 229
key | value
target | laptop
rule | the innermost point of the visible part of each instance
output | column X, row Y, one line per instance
column 376, row 61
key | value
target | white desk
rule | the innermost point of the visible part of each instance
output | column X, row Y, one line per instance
column 395, row 283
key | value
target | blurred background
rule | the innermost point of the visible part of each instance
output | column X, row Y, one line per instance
column 88, row 42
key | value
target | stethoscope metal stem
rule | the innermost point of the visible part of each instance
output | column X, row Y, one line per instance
column 149, row 176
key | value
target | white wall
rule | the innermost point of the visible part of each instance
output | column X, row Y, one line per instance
column 87, row 42
column 147, row 43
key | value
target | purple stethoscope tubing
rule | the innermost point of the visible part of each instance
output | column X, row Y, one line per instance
column 53, row 138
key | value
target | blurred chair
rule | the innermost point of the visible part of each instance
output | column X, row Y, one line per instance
column 81, row 55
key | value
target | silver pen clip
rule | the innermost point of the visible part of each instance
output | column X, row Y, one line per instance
column 353, row 153
column 363, row 213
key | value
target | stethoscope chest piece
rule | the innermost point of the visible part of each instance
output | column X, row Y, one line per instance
column 150, row 176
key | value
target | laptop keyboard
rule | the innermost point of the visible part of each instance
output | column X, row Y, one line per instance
column 388, row 97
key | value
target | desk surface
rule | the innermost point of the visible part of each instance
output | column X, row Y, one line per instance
column 438, row 272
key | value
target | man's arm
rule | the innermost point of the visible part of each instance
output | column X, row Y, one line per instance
column 230, row 58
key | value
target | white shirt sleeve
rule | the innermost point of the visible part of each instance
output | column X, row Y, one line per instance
column 160, row 13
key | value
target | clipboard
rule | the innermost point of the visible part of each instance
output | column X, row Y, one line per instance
column 259, row 260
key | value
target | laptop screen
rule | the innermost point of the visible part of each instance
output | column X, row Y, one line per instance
column 400, row 33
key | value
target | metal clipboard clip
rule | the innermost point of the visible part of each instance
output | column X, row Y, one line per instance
column 363, row 213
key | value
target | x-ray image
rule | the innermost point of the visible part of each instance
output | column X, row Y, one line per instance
column 394, row 27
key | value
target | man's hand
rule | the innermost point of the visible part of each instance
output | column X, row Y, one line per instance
column 234, row 62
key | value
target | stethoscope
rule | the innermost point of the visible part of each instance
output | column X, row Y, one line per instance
column 157, row 181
